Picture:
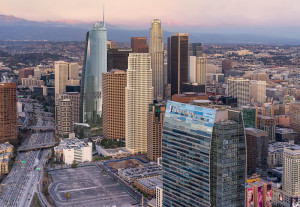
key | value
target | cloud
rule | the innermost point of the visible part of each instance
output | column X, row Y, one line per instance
column 175, row 12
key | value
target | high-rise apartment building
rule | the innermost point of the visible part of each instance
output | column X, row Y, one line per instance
column 197, row 69
column 139, row 45
column 155, row 128
column 8, row 112
column 117, row 58
column 64, row 119
column 94, row 64
column 203, row 156
column 37, row 73
column 156, row 50
column 75, row 99
column 258, row 91
column 239, row 88
column 114, row 84
column 178, row 61
column 268, row 124
column 138, row 96
column 257, row 151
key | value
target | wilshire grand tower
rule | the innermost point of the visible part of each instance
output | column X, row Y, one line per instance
column 94, row 64
column 156, row 50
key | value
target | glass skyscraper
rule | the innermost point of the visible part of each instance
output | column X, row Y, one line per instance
column 203, row 156
column 95, row 63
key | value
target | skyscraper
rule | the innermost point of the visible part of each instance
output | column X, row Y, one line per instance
column 155, row 126
column 117, row 58
column 138, row 96
column 64, row 119
column 197, row 69
column 258, row 91
column 195, row 49
column 178, row 63
column 226, row 66
column 8, row 112
column 203, row 156
column 114, row 84
column 156, row 50
column 61, row 76
column 73, row 71
column 95, row 63
column 239, row 88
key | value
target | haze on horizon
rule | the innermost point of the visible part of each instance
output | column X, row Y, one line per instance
column 191, row 13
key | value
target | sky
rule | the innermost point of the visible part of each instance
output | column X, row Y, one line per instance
column 172, row 12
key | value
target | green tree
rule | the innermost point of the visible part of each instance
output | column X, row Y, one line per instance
column 74, row 164
column 45, row 191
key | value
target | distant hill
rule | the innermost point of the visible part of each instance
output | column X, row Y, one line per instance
column 13, row 28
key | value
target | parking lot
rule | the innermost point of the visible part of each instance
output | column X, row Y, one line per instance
column 87, row 186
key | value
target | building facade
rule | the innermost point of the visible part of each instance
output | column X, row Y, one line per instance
column 197, row 69
column 117, row 58
column 114, row 84
column 295, row 118
column 61, row 76
column 138, row 96
column 139, row 45
column 258, row 91
column 197, row 168
column 268, row 124
column 64, row 119
column 94, row 64
column 8, row 111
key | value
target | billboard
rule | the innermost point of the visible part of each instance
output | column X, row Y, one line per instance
column 280, row 197
column 294, row 202
column 260, row 197
column 269, row 196
column 250, row 197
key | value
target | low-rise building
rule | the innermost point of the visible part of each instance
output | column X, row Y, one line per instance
column 146, row 171
column 275, row 153
column 70, row 150
column 148, row 185
column 115, row 153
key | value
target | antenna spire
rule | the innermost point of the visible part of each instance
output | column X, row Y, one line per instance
column 103, row 11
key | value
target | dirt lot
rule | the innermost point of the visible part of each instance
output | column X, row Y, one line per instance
column 124, row 164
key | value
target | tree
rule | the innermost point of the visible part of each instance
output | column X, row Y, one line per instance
column 74, row 164
column 67, row 195
column 45, row 190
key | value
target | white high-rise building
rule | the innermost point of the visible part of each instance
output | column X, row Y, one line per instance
column 61, row 76
column 156, row 50
column 138, row 96
column 291, row 169
column 258, row 91
column 239, row 88
column 159, row 196
column 37, row 73
column 197, row 69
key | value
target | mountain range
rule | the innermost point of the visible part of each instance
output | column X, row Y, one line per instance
column 13, row 28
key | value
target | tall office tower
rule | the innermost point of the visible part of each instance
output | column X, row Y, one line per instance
column 37, row 73
column 195, row 144
column 197, row 69
column 75, row 99
column 94, row 64
column 295, row 118
column 178, row 53
column 25, row 73
column 61, row 76
column 239, row 88
column 226, row 66
column 8, row 112
column 73, row 71
column 268, row 124
column 114, row 84
column 138, row 96
column 139, row 45
column 155, row 127
column 156, row 50
column 258, row 91
column 195, row 49
column 117, row 58
column 257, row 151
column 64, row 122
column 290, row 173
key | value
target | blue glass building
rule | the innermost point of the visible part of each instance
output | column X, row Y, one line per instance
column 203, row 156
column 95, row 63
